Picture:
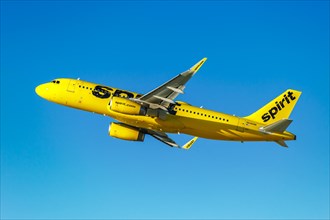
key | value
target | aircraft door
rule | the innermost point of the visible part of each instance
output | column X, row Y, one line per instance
column 241, row 125
column 72, row 85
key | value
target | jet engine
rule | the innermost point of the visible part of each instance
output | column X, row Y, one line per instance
column 125, row 132
column 125, row 106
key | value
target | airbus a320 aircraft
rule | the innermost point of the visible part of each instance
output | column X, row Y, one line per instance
column 157, row 113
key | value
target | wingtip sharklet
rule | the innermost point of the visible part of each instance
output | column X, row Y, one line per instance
column 198, row 65
column 188, row 145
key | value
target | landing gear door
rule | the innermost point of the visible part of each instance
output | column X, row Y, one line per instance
column 72, row 85
column 241, row 125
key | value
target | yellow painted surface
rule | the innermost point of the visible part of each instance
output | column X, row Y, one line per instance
column 277, row 109
column 186, row 118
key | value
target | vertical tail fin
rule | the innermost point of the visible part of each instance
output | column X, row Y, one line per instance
column 279, row 108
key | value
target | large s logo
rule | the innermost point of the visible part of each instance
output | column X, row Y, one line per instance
column 102, row 92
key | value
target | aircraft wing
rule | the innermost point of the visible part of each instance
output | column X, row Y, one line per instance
column 161, row 136
column 164, row 95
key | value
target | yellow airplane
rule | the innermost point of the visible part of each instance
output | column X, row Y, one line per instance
column 157, row 113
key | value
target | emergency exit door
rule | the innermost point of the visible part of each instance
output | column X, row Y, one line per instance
column 241, row 125
column 72, row 85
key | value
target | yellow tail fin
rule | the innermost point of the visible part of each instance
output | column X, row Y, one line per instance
column 279, row 108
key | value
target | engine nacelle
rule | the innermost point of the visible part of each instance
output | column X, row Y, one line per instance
column 125, row 106
column 125, row 132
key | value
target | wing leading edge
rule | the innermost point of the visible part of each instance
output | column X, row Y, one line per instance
column 163, row 96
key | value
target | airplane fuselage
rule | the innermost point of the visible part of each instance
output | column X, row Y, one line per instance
column 180, row 118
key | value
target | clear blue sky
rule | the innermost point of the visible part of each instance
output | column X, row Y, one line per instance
column 58, row 162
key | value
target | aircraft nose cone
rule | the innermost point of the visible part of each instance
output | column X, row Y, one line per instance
column 37, row 90
column 41, row 90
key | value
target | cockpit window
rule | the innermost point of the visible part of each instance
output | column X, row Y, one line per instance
column 56, row 81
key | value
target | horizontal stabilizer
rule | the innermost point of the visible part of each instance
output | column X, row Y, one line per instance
column 282, row 143
column 279, row 126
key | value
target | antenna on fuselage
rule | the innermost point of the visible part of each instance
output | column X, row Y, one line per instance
column 78, row 78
